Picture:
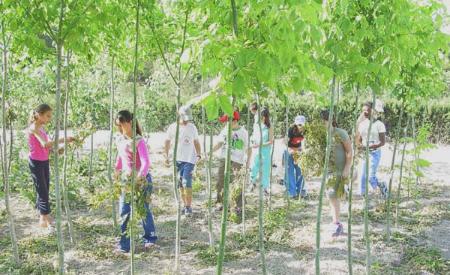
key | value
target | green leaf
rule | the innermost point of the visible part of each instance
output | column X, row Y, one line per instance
column 225, row 104
column 211, row 106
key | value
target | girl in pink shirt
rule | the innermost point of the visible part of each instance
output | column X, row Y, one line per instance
column 40, row 146
column 124, row 169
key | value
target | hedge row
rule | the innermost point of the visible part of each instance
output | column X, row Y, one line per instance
column 157, row 116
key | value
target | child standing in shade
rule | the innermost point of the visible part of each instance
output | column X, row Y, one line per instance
column 40, row 146
column 124, row 166
column 264, row 166
column 188, row 153
column 239, row 159
column 294, row 177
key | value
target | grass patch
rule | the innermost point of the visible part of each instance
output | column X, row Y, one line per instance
column 417, row 259
column 208, row 255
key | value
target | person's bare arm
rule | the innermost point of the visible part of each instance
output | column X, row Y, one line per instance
column 166, row 149
column 382, row 137
column 348, row 158
column 198, row 148
column 270, row 137
column 217, row 146
column 249, row 156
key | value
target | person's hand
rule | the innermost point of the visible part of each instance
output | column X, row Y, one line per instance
column 71, row 139
column 167, row 162
column 373, row 146
column 346, row 173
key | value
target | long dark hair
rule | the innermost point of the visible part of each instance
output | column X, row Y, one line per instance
column 126, row 116
column 266, row 116
column 325, row 115
column 39, row 110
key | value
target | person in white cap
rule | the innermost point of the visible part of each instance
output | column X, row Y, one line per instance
column 188, row 153
column 377, row 139
column 294, row 180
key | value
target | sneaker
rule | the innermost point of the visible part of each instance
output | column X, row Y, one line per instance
column 188, row 211
column 120, row 252
column 339, row 230
column 383, row 190
column 303, row 194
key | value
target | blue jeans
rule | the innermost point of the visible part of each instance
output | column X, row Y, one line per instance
column 147, row 223
column 185, row 170
column 294, row 179
column 374, row 161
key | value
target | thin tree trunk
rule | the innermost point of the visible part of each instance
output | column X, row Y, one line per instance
column 366, row 199
column 324, row 174
column 110, row 147
column 175, row 149
column 11, row 144
column 226, row 183
column 350, row 194
column 261, row 195
column 226, row 188
column 91, row 158
column 391, row 177
column 133, row 174
column 207, row 167
column 399, row 187
column 416, row 153
column 271, row 164
column 59, row 233
column 338, row 97
column 5, row 174
column 246, row 178
column 65, row 185
column 286, row 156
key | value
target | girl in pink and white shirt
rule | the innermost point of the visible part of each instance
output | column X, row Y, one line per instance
column 124, row 169
column 40, row 146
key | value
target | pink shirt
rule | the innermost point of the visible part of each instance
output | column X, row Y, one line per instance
column 37, row 152
column 124, row 161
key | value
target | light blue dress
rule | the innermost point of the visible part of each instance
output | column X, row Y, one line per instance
column 266, row 153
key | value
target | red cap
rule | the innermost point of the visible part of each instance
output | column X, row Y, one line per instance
column 224, row 118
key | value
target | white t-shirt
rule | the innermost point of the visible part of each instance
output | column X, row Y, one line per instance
column 186, row 149
column 377, row 128
column 239, row 144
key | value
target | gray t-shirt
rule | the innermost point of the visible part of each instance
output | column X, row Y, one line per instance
column 337, row 156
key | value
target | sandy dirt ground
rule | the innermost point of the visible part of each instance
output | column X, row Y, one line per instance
column 295, row 256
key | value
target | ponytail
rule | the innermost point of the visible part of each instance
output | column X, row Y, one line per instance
column 39, row 110
column 266, row 116
column 127, row 116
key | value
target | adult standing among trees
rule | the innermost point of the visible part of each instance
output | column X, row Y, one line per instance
column 188, row 153
column 239, row 158
column 377, row 138
column 338, row 169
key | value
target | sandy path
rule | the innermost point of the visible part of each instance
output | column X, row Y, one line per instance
column 296, row 257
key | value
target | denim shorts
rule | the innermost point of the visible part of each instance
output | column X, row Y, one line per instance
column 185, row 170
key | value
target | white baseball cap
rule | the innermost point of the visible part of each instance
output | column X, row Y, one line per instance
column 185, row 113
column 379, row 106
column 300, row 120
